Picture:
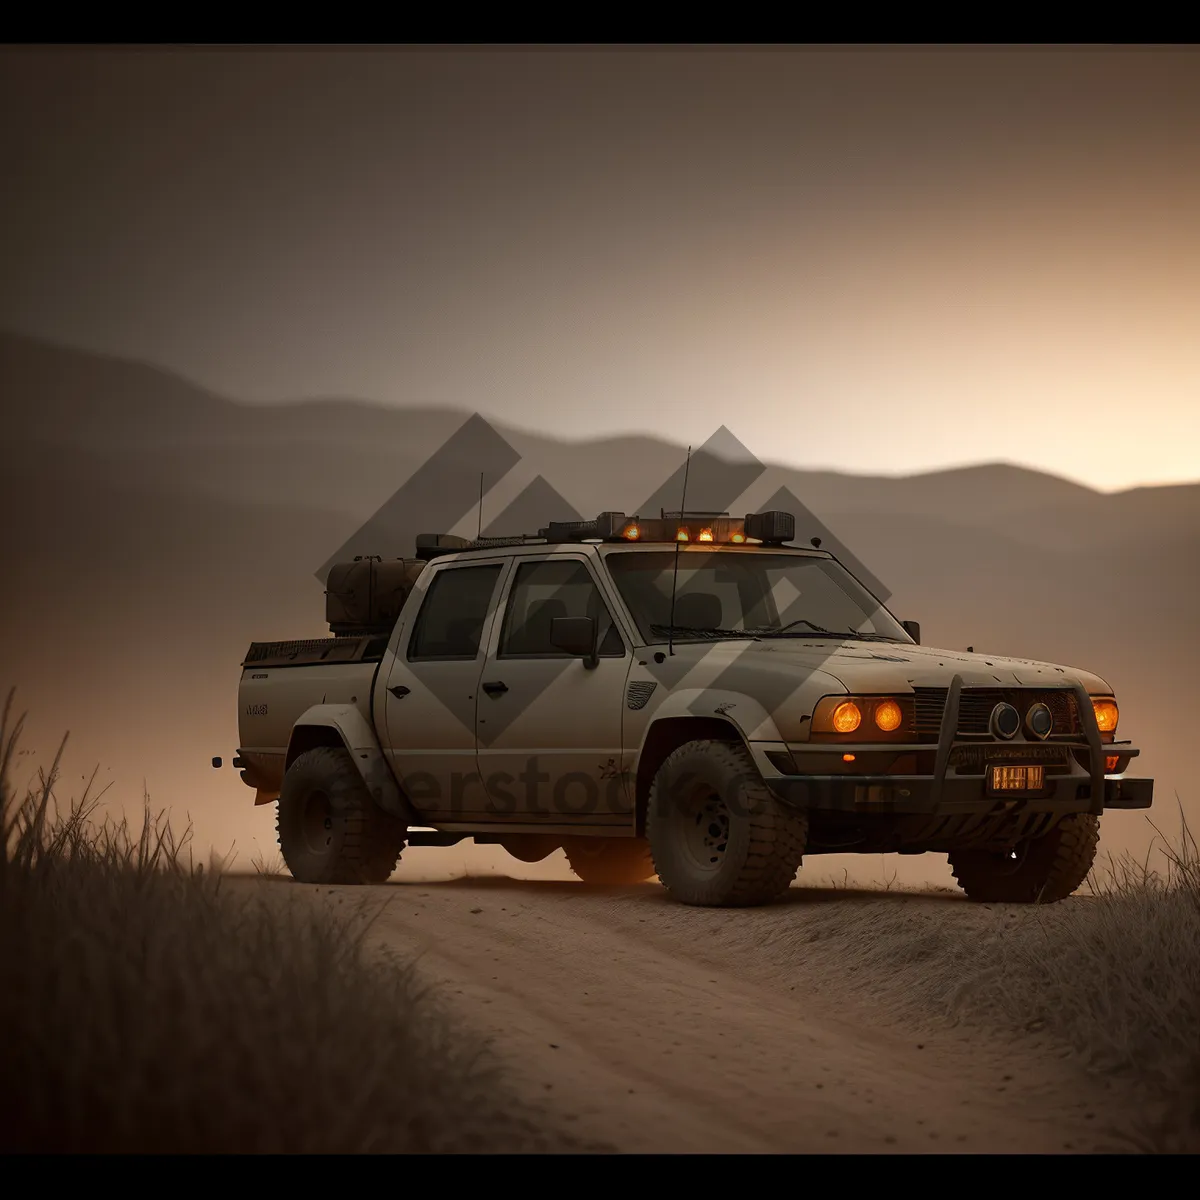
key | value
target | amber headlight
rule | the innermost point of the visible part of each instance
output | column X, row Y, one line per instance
column 871, row 717
column 1107, row 713
column 888, row 715
column 847, row 717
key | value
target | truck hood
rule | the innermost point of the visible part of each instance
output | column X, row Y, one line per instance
column 866, row 666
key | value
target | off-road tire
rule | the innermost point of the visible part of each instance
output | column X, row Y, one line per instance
column 1046, row 869
column 609, row 860
column 330, row 829
column 717, row 834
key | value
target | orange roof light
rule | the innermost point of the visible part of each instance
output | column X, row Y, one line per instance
column 682, row 534
column 632, row 533
column 705, row 535
column 737, row 537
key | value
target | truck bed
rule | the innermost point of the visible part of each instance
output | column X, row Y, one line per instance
column 280, row 680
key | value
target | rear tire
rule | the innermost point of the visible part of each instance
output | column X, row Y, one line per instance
column 610, row 860
column 717, row 833
column 1041, row 871
column 330, row 829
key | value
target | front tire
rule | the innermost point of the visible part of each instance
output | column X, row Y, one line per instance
column 717, row 833
column 330, row 829
column 1040, row 871
column 610, row 861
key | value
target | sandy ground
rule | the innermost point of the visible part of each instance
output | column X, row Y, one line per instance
column 648, row 1026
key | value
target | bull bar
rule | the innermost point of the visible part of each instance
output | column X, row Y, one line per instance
column 1077, row 790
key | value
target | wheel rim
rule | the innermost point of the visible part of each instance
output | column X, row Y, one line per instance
column 316, row 822
column 705, row 822
column 1012, row 860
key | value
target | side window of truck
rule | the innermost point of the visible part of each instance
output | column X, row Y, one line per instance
column 545, row 590
column 450, row 623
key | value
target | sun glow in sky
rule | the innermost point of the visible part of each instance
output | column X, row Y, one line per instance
column 885, row 261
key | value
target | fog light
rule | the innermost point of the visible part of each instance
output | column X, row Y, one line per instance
column 1004, row 721
column 1039, row 720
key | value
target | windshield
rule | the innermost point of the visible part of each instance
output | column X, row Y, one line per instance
column 734, row 593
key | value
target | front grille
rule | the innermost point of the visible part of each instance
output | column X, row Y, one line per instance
column 930, row 704
column 976, row 704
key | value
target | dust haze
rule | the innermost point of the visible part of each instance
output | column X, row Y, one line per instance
column 161, row 528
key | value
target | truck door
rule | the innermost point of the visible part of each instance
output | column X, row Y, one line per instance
column 549, row 727
column 430, row 677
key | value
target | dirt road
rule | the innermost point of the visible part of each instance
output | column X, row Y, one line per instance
column 650, row 1026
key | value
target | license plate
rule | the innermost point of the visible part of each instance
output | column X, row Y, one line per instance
column 1027, row 778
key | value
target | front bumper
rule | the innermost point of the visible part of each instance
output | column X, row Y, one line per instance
column 921, row 794
column 1082, row 787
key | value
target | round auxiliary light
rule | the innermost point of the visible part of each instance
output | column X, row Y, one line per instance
column 1005, row 721
column 846, row 717
column 888, row 716
column 1039, row 720
column 737, row 537
column 632, row 533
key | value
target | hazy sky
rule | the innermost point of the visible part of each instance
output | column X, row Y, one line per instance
column 879, row 261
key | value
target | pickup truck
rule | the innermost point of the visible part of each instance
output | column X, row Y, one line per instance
column 691, row 697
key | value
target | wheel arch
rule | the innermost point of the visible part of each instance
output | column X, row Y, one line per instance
column 667, row 734
column 343, row 725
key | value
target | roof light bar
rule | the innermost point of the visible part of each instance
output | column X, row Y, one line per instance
column 771, row 528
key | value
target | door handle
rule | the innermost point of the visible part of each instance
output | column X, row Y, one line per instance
column 495, row 687
column 399, row 691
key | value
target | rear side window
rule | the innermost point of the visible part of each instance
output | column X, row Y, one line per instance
column 450, row 623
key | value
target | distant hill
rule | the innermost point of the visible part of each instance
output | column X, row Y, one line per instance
column 153, row 529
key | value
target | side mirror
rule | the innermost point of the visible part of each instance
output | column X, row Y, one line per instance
column 576, row 636
column 913, row 629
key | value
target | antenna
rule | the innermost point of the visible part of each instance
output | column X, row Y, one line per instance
column 675, row 576
column 480, row 533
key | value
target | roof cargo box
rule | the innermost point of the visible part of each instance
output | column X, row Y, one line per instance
column 366, row 595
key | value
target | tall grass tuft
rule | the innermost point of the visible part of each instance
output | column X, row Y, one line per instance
column 146, row 1008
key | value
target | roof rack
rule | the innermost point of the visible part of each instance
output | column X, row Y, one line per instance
column 487, row 543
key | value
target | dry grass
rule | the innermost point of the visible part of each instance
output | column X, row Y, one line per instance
column 147, row 1009
column 1113, row 978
